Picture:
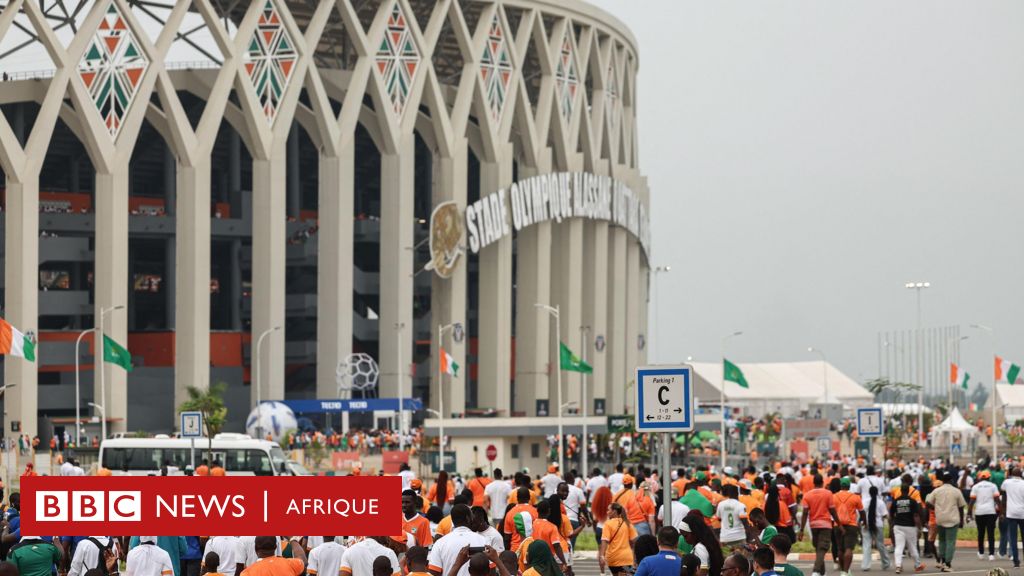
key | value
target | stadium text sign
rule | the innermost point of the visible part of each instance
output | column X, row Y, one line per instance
column 220, row 506
column 555, row 197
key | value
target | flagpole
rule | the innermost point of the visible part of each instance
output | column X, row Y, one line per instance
column 103, row 369
column 995, row 428
column 558, row 356
column 440, row 397
column 722, row 395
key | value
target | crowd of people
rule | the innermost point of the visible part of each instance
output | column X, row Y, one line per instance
column 725, row 522
column 355, row 440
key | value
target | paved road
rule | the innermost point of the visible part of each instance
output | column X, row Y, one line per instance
column 965, row 562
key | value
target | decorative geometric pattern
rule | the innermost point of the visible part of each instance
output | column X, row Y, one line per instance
column 398, row 59
column 567, row 80
column 112, row 69
column 270, row 60
column 496, row 68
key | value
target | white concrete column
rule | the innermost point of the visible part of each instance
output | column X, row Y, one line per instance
column 111, row 287
column 494, row 378
column 595, row 308
column 567, row 292
column 396, row 240
column 268, row 272
column 617, row 337
column 533, row 328
column 634, row 295
column 334, row 266
column 192, row 265
column 21, row 299
column 448, row 296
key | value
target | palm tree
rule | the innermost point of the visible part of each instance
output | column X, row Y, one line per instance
column 209, row 402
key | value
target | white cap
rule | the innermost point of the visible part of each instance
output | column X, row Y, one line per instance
column 147, row 539
column 728, row 470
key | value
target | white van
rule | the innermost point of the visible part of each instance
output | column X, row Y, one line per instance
column 240, row 454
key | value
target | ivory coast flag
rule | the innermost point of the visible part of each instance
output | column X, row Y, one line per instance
column 1006, row 370
column 524, row 524
column 14, row 343
column 448, row 364
column 958, row 375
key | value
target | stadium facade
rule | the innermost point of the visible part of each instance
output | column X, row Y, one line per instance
column 293, row 170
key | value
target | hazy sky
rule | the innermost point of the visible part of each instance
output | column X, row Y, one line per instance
column 807, row 158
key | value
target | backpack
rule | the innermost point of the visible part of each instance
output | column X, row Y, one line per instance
column 107, row 559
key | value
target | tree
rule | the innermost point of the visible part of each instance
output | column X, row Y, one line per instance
column 209, row 402
column 879, row 385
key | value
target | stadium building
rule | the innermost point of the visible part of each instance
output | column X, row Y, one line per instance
column 356, row 173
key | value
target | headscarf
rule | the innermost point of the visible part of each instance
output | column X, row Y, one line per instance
column 539, row 557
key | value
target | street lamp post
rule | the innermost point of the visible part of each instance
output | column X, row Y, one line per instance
column 440, row 391
column 78, row 400
column 584, row 344
column 657, row 336
column 99, row 350
column 554, row 313
column 824, row 373
column 722, row 392
column 259, row 384
column 399, row 326
column 995, row 427
column 917, row 287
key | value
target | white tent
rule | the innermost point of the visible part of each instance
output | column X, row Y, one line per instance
column 955, row 424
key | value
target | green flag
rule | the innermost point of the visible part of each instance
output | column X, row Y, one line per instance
column 571, row 362
column 964, row 383
column 732, row 373
column 115, row 354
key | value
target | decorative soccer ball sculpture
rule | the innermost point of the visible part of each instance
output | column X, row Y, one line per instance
column 358, row 372
column 274, row 418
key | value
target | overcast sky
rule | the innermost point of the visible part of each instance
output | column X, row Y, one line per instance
column 807, row 158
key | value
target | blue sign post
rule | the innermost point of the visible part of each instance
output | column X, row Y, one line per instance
column 664, row 403
column 664, row 399
column 192, row 428
column 869, row 422
column 870, row 426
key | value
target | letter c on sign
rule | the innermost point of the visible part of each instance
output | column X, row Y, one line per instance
column 661, row 398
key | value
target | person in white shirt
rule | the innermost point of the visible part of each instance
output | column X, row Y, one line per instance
column 358, row 559
column 325, row 559
column 984, row 509
column 313, row 541
column 247, row 550
column 67, row 468
column 445, row 551
column 482, row 527
column 148, row 559
column 407, row 476
column 615, row 480
column 678, row 511
column 496, row 497
column 596, row 481
column 874, row 537
column 87, row 555
column 732, row 514
column 550, row 481
column 1013, row 498
column 227, row 548
column 575, row 503
column 871, row 478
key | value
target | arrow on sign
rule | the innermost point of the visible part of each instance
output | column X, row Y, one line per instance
column 649, row 417
column 679, row 410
